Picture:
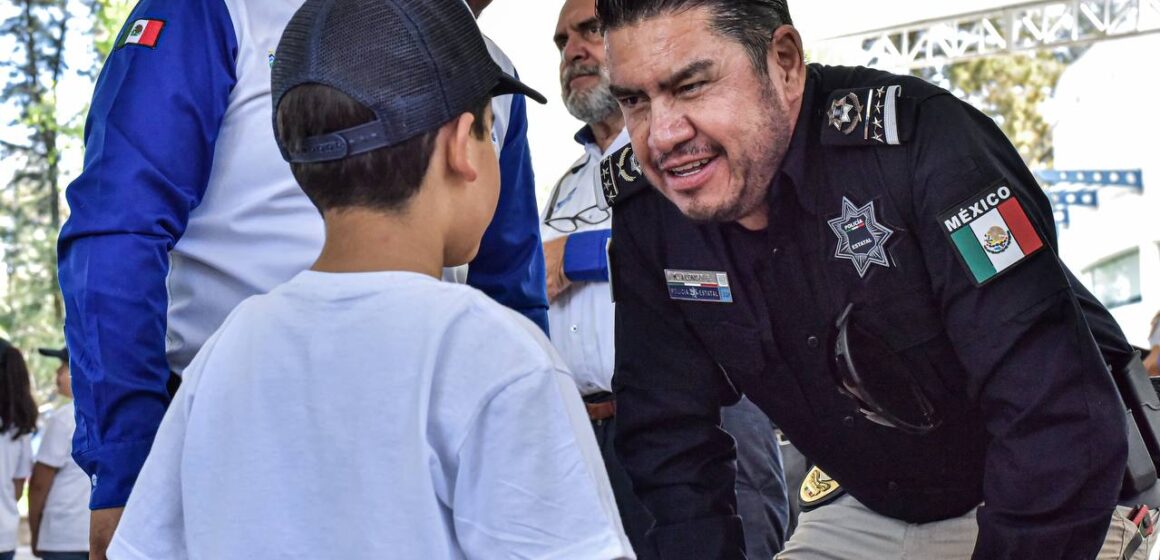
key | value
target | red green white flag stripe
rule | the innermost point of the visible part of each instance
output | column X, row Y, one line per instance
column 143, row 32
column 991, row 232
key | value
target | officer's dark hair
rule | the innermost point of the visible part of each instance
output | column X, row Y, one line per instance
column 17, row 409
column 383, row 179
column 749, row 22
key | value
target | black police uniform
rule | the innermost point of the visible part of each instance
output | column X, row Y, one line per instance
column 1031, row 422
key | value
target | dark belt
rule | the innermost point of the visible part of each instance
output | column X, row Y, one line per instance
column 601, row 406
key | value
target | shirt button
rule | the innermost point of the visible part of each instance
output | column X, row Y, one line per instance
column 892, row 486
column 575, row 328
column 848, row 421
column 812, row 342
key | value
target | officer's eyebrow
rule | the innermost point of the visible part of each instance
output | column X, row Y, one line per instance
column 619, row 92
column 690, row 70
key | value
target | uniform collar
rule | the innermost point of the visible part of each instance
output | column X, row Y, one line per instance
column 585, row 136
column 792, row 173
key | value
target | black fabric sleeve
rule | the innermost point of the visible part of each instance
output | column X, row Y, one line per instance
column 669, row 393
column 1057, row 455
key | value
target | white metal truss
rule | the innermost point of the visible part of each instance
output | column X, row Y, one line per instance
column 1043, row 24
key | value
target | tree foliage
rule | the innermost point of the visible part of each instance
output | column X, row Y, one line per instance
column 1011, row 89
column 36, row 136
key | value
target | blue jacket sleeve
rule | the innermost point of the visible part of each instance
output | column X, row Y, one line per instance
column 586, row 256
column 149, row 142
column 510, row 263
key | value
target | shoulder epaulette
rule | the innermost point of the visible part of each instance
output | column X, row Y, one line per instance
column 872, row 116
column 621, row 176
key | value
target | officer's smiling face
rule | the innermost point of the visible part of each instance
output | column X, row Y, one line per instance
column 707, row 127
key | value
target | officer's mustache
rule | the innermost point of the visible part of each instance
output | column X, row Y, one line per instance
column 707, row 149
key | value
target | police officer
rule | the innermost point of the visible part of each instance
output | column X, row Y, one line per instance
column 868, row 259
column 576, row 230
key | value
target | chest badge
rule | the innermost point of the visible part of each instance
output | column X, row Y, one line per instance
column 699, row 285
column 861, row 237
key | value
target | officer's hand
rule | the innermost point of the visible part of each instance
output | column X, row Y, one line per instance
column 554, row 265
column 102, row 523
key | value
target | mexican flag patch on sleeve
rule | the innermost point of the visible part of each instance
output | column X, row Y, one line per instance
column 143, row 33
column 991, row 232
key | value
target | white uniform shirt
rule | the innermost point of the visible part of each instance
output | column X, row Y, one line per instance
column 375, row 415
column 65, row 525
column 581, row 319
column 15, row 462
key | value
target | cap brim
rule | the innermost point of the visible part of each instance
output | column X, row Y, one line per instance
column 508, row 85
column 59, row 354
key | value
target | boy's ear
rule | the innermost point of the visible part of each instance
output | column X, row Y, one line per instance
column 459, row 147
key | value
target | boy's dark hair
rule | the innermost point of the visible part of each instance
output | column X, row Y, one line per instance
column 749, row 22
column 17, row 409
column 383, row 179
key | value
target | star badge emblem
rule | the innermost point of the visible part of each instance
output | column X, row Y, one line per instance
column 846, row 113
column 861, row 237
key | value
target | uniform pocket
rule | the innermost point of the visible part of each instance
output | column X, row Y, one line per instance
column 735, row 348
column 903, row 320
column 910, row 327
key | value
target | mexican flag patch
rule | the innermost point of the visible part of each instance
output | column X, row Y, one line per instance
column 991, row 232
column 143, row 33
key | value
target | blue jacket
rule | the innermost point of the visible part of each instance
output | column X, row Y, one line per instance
column 175, row 184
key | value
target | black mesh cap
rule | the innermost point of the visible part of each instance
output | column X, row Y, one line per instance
column 417, row 64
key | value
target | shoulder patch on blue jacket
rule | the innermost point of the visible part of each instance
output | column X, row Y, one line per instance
column 621, row 176
column 869, row 116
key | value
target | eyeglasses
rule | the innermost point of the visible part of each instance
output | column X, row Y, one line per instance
column 888, row 396
column 592, row 215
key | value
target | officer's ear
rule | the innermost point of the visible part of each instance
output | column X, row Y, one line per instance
column 787, row 62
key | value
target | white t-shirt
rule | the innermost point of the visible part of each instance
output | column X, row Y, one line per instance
column 15, row 462
column 369, row 416
column 65, row 525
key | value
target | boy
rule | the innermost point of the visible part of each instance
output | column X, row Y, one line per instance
column 364, row 409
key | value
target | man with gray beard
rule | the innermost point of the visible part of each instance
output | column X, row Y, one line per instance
column 576, row 229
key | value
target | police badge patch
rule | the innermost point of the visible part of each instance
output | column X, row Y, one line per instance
column 818, row 489
column 861, row 237
column 846, row 113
